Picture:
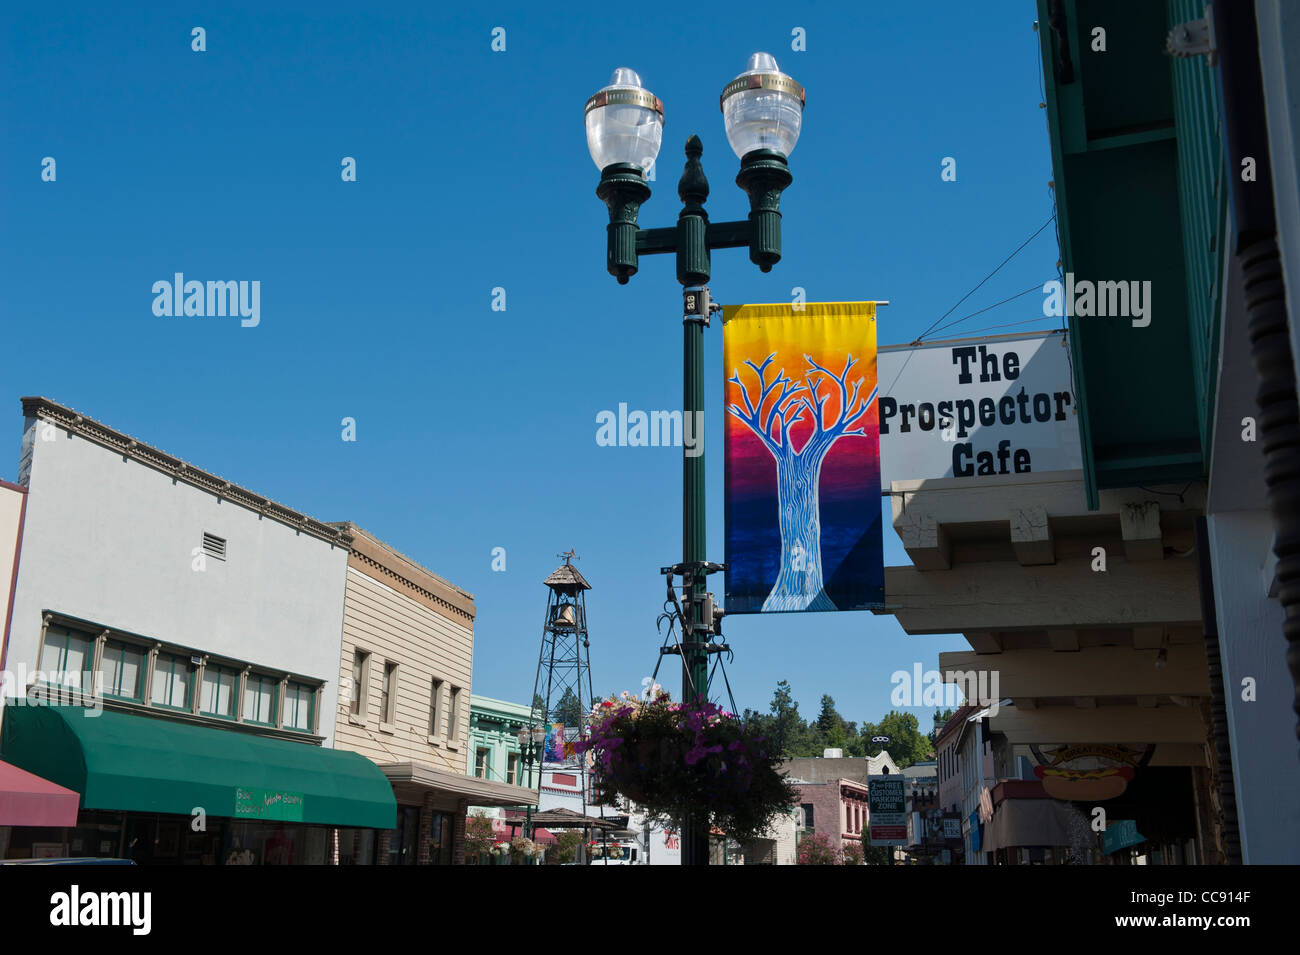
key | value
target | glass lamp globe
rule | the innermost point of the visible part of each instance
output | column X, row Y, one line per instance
column 762, row 108
column 625, row 122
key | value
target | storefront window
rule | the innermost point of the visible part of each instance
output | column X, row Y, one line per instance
column 357, row 846
column 440, row 839
column 403, row 841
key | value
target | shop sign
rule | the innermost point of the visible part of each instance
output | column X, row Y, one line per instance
column 1000, row 405
column 1089, row 772
column 268, row 804
column 1120, row 834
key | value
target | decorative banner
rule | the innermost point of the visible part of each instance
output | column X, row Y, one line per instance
column 977, row 407
column 802, row 455
column 553, row 750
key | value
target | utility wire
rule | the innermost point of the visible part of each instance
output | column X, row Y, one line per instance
column 985, row 279
column 1032, row 288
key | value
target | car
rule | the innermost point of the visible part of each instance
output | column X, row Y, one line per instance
column 70, row 860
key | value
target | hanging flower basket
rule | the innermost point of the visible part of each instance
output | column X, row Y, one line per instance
column 673, row 759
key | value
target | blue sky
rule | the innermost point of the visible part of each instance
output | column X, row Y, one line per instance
column 476, row 428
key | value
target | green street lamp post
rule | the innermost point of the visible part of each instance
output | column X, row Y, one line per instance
column 762, row 111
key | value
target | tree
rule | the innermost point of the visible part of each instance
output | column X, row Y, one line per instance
column 907, row 745
column 479, row 836
column 786, row 727
column 941, row 718
column 799, row 584
column 539, row 706
column 874, row 855
column 816, row 848
column 566, row 846
column 569, row 711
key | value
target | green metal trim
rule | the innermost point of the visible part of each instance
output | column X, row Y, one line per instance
column 1056, row 140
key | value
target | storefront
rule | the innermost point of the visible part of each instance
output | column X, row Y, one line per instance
column 165, row 792
column 431, row 811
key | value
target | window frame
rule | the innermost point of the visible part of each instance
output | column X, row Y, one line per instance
column 189, row 682
column 69, row 632
column 310, row 692
column 261, row 678
column 235, row 701
column 142, row 676
column 388, row 692
column 436, row 688
column 453, row 719
column 359, row 707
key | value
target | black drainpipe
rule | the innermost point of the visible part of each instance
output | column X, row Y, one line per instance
column 1245, row 133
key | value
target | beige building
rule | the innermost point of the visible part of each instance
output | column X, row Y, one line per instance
column 404, row 703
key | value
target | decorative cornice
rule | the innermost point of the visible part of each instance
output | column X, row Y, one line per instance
column 376, row 559
column 129, row 447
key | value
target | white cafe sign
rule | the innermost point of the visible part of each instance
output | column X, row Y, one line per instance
column 977, row 407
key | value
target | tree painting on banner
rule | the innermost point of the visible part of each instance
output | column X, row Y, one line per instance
column 802, row 436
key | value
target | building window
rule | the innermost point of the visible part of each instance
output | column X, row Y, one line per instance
column 480, row 763
column 388, row 703
column 807, row 815
column 218, row 696
column 435, row 708
column 123, row 669
column 299, row 703
column 259, row 699
column 512, row 769
column 360, row 683
column 67, row 652
column 453, row 717
column 172, row 681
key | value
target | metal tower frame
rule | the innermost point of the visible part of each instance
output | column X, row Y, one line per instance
column 564, row 662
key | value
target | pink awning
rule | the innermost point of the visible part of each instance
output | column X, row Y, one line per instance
column 28, row 800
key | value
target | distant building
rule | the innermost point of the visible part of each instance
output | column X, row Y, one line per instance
column 833, row 793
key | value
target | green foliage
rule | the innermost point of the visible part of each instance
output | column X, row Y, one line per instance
column 674, row 759
column 852, row 854
column 793, row 736
column 816, row 848
column 568, row 711
column 874, row 855
column 940, row 719
column 566, row 846
column 478, row 835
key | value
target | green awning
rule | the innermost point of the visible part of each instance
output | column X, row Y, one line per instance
column 123, row 762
